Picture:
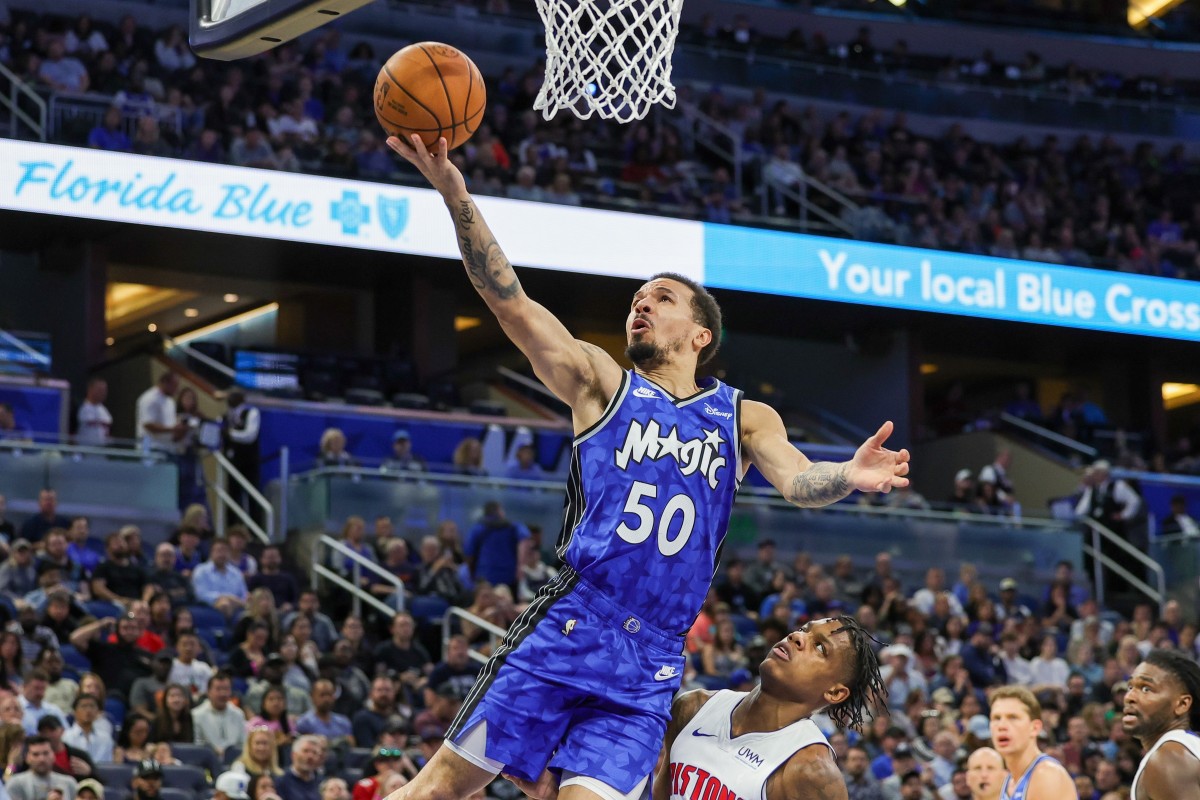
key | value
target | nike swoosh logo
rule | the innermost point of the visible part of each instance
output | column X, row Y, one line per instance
column 698, row 733
column 666, row 673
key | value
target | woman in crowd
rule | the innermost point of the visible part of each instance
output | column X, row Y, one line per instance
column 12, row 662
column 173, row 721
column 1048, row 668
column 468, row 457
column 260, row 608
column 196, row 516
column 185, row 623
column 273, row 716
column 93, row 684
column 450, row 540
column 261, row 786
column 133, row 744
column 354, row 532
column 260, row 755
column 297, row 657
column 12, row 746
column 723, row 655
column 332, row 450
column 248, row 657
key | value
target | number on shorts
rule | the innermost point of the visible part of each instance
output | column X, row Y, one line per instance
column 680, row 503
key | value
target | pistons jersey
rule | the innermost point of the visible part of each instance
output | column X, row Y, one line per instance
column 649, row 495
column 709, row 763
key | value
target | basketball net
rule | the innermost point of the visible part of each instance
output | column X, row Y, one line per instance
column 608, row 57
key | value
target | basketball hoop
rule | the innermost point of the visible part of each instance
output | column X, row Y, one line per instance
column 608, row 57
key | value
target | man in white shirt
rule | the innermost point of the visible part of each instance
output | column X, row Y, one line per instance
column 33, row 703
column 186, row 670
column 157, row 426
column 219, row 583
column 241, row 442
column 1015, row 666
column 1111, row 502
column 218, row 724
column 935, row 585
column 94, row 419
column 84, row 735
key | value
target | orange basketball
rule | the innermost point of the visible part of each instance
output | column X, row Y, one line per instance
column 433, row 90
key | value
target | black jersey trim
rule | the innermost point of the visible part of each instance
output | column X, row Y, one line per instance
column 524, row 625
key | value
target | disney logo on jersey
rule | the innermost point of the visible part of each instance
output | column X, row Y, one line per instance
column 716, row 412
column 695, row 455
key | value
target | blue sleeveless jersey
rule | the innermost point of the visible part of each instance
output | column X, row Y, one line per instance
column 1021, row 790
column 649, row 496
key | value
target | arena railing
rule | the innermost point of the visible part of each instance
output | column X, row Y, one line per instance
column 1100, row 562
column 19, row 91
column 326, row 549
column 495, row 632
column 73, row 115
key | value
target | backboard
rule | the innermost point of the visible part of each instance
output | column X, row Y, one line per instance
column 232, row 29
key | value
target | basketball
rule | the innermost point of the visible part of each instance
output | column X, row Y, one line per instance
column 431, row 89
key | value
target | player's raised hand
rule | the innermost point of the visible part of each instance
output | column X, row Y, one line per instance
column 434, row 165
column 874, row 468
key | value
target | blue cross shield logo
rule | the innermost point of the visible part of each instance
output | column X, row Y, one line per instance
column 350, row 212
column 393, row 215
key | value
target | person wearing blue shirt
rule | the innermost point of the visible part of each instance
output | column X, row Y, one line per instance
column 322, row 720
column 496, row 548
column 525, row 467
column 77, row 547
column 108, row 135
column 218, row 583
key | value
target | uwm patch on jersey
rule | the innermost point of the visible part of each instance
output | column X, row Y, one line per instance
column 649, row 496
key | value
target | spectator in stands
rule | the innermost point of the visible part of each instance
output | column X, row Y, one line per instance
column 332, row 450
column 147, row 780
column 1023, row 406
column 261, row 756
column 441, row 706
column 71, row 760
column 40, row 779
column 33, row 704
column 18, row 574
column 61, row 72
column 251, row 653
column 173, row 716
column 299, row 656
column 218, row 723
column 450, row 541
column 1048, row 668
column 60, row 690
column 963, row 496
column 238, row 537
column 187, row 670
column 77, row 545
column 723, row 656
column 118, row 663
column 218, row 583
column 297, row 702
column 240, row 440
column 535, row 574
column 56, row 555
column 524, row 466
column 274, row 714
column 148, row 141
column 143, row 696
column 253, row 150
column 322, row 720
column 133, row 742
column 379, row 713
column 282, row 585
column 397, row 562
column 7, row 529
column 353, row 537
column 62, row 615
column 172, row 52
column 353, row 686
column 437, row 575
column 860, row 783
column 302, row 779
column 1179, row 521
column 116, row 579
column 36, row 527
column 206, row 148
column 323, row 631
column 34, row 637
column 157, row 426
column 468, row 457
column 93, row 418
column 496, row 547
column 458, row 668
column 164, row 578
column 761, row 573
column 402, row 654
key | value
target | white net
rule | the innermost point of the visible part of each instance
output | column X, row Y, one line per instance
column 608, row 57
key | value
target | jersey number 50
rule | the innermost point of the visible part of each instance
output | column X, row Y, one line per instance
column 679, row 504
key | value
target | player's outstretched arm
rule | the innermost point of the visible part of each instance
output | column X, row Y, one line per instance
column 575, row 371
column 1172, row 774
column 811, row 774
column 810, row 484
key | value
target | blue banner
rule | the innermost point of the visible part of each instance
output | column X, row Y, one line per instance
column 890, row 276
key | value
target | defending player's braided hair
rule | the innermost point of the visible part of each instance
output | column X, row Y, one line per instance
column 1187, row 672
column 867, row 689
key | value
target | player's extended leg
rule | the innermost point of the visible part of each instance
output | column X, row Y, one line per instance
column 447, row 776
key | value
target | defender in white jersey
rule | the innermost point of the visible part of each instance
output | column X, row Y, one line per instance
column 1162, row 712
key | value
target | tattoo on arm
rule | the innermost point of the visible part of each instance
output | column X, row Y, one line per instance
column 821, row 484
column 490, row 271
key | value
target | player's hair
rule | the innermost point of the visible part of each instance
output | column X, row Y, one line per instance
column 1022, row 696
column 1184, row 670
column 868, row 692
column 705, row 311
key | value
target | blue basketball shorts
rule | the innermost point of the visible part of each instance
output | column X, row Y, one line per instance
column 578, row 684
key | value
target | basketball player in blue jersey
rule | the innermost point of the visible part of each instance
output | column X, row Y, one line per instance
column 1032, row 775
column 584, row 679
column 1162, row 712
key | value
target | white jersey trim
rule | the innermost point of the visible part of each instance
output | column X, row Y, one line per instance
column 1189, row 740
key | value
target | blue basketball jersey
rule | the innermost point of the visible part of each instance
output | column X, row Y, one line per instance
column 1020, row 791
column 649, row 496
